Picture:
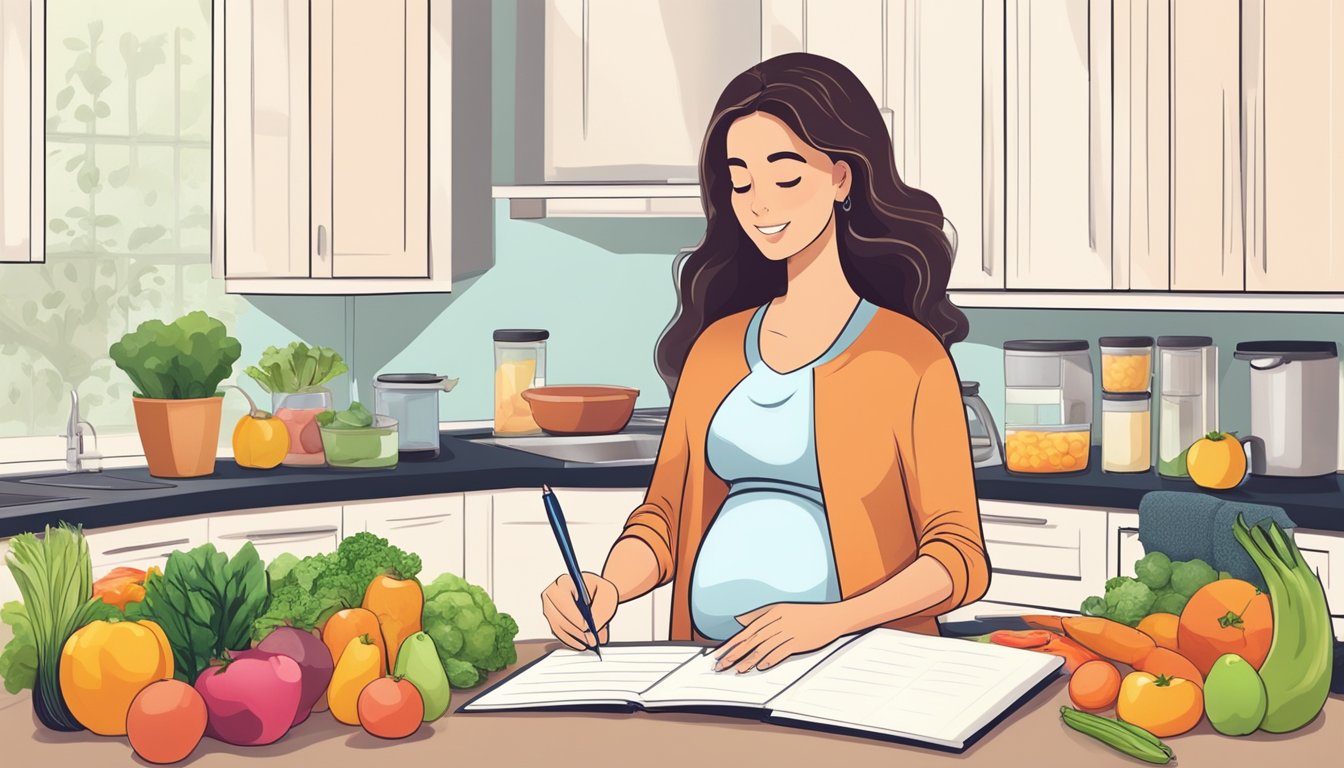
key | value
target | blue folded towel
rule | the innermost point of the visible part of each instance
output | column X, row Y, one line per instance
column 1188, row 526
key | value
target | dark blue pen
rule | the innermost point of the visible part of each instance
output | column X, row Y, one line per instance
column 557, row 518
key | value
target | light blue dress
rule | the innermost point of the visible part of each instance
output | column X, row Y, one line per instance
column 770, row 541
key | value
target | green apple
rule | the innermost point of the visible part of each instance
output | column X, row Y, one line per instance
column 1234, row 696
column 418, row 661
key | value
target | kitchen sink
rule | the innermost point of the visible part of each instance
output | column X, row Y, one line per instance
column 622, row 449
column 95, row 481
column 19, row 499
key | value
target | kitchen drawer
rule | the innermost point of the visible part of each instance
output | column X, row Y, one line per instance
column 1043, row 555
column 143, row 545
column 301, row 531
column 429, row 526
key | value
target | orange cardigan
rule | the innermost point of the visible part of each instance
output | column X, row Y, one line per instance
column 893, row 455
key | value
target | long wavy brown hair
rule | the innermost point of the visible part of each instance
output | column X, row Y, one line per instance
column 893, row 249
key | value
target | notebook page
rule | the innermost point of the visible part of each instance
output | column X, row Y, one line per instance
column 567, row 677
column 695, row 683
column 934, row 689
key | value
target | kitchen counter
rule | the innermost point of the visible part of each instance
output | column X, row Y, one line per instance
column 1032, row 734
column 464, row 465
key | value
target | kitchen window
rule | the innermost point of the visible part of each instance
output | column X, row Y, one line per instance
column 128, row 118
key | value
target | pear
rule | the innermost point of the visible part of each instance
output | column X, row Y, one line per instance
column 1234, row 696
column 418, row 662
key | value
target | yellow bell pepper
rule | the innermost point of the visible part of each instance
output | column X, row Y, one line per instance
column 105, row 664
column 360, row 665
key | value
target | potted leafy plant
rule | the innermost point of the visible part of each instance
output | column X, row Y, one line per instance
column 294, row 376
column 176, row 369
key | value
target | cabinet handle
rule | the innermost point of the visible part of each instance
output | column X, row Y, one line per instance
column 1006, row 520
column 142, row 547
column 584, row 33
column 265, row 535
column 322, row 240
column 434, row 517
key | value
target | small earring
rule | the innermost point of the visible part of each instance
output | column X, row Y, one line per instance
column 845, row 206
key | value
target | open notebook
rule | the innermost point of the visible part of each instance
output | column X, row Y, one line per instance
column 936, row 690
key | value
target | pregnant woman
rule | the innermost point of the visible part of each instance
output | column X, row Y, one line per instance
column 814, row 478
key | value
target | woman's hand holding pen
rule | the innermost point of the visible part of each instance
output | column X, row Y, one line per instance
column 558, row 604
column 775, row 632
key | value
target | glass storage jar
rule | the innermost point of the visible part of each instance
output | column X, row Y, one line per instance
column 298, row 412
column 1047, row 449
column 1047, row 404
column 520, row 364
column 1126, row 432
column 1126, row 363
column 1187, row 398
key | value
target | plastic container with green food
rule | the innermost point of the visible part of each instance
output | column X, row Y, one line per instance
column 356, row 439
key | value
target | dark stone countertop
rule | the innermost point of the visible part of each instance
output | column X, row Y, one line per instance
column 1315, row 503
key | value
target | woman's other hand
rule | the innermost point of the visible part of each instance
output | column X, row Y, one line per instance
column 559, row 605
column 775, row 632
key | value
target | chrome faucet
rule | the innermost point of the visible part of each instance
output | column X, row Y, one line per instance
column 77, row 459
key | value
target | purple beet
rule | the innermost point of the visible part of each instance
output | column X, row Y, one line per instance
column 250, row 700
column 313, row 659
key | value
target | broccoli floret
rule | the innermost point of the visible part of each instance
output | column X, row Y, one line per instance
column 1129, row 602
column 1117, row 581
column 470, row 633
column 1188, row 577
column 1154, row 570
column 1170, row 602
column 1094, row 606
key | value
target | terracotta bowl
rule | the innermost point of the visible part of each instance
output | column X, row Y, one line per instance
column 581, row 410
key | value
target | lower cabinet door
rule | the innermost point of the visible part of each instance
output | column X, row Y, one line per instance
column 299, row 531
column 143, row 546
column 1043, row 555
column 525, row 559
column 429, row 526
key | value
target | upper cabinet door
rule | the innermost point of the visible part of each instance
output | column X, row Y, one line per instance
column 1059, row 139
column 371, row 118
column 630, row 86
column 1293, row 73
column 1206, row 222
column 264, row 151
column 949, row 54
column 22, row 165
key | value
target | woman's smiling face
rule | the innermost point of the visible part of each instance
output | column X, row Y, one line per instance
column 784, row 190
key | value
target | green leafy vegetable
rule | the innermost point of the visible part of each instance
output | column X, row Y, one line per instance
column 185, row 359
column 18, row 664
column 471, row 635
column 1154, row 569
column 1170, row 601
column 1162, row 586
column 296, row 368
column 55, row 577
column 1129, row 602
column 354, row 417
column 305, row 592
column 1188, row 577
column 206, row 604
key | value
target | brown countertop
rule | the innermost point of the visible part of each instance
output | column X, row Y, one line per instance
column 1033, row 735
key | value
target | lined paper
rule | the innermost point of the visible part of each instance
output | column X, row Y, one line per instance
column 577, row 678
column 695, row 683
column 934, row 689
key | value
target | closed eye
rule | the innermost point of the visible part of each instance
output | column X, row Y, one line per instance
column 787, row 184
column 741, row 190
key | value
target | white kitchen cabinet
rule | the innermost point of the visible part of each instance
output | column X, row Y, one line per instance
column 299, row 531
column 630, row 86
column 525, row 559
column 1059, row 142
column 1293, row 76
column 143, row 545
column 338, row 168
column 852, row 32
column 430, row 526
column 1043, row 555
column 22, row 116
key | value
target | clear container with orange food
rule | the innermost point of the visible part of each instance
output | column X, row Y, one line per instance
column 520, row 364
column 1047, row 449
column 1126, row 364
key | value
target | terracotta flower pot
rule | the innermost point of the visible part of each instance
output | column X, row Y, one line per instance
column 180, row 437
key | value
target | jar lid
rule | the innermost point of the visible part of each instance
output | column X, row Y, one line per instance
column 522, row 334
column 1046, row 345
column 1126, row 397
column 1126, row 341
column 1185, row 342
column 969, row 388
column 411, row 378
column 1288, row 350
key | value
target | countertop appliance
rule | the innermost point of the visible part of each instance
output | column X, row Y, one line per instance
column 986, row 447
column 413, row 400
column 1294, row 407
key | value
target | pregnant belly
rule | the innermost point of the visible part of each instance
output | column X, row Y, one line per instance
column 763, row 547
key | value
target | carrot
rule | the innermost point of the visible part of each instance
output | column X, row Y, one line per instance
column 1111, row 639
column 1045, row 621
column 1020, row 638
column 398, row 604
column 1074, row 655
column 346, row 625
column 1164, row 661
